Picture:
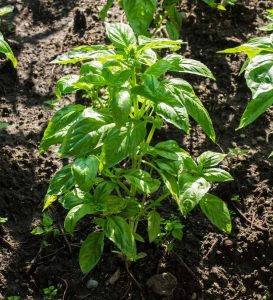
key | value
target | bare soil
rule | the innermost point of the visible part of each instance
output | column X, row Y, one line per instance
column 206, row 263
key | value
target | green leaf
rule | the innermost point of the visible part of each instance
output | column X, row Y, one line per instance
column 47, row 220
column 217, row 212
column 131, row 209
column 191, row 190
column 154, row 221
column 83, row 53
column 59, row 125
column 157, row 43
column 65, row 85
column 104, row 189
column 85, row 171
column 175, row 17
column 143, row 181
column 61, row 182
column 49, row 199
column 139, row 14
column 112, row 204
column 159, row 68
column 121, row 106
column 185, row 65
column 4, row 125
column 77, row 213
column 121, row 35
column 259, row 79
column 3, row 220
column 147, row 57
column 106, row 7
column 116, row 79
column 172, row 111
column 74, row 198
column 198, row 112
column 210, row 159
column 6, row 10
column 172, row 31
column 216, row 175
column 167, row 149
column 6, row 50
column 172, row 167
column 118, row 231
column 86, row 135
column 124, row 141
column 91, row 251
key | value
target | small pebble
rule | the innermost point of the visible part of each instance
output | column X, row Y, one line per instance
column 91, row 284
column 228, row 243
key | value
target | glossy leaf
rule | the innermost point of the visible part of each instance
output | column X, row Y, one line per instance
column 6, row 50
column 121, row 106
column 217, row 212
column 210, row 159
column 65, row 85
column 154, row 221
column 61, row 182
column 121, row 35
column 216, row 175
column 87, row 134
column 91, row 251
column 191, row 190
column 77, row 213
column 59, row 125
column 118, row 231
column 124, row 141
column 143, row 181
column 7, row 9
column 74, row 198
column 139, row 14
column 85, row 171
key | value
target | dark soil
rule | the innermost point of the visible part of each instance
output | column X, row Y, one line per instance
column 239, row 266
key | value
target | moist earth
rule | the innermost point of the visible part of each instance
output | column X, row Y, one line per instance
column 206, row 263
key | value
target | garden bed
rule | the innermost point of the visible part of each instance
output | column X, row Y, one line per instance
column 207, row 263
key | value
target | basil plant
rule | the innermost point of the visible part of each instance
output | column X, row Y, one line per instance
column 117, row 175
column 4, row 46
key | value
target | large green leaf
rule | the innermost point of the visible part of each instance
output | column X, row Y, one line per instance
column 6, row 50
column 154, row 221
column 77, row 213
column 59, row 125
column 87, row 134
column 65, row 85
column 216, row 175
column 85, row 171
column 139, row 14
column 122, row 141
column 185, row 65
column 172, row 111
column 143, row 181
column 191, row 190
column 74, row 198
column 259, row 79
column 157, row 43
column 91, row 251
column 83, row 53
column 121, row 106
column 216, row 211
column 167, row 149
column 118, row 231
column 198, row 112
column 61, row 182
column 6, row 10
column 121, row 35
column 210, row 159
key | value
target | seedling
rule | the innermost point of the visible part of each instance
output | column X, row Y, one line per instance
column 142, row 13
column 50, row 292
column 47, row 229
column 220, row 5
column 117, row 174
